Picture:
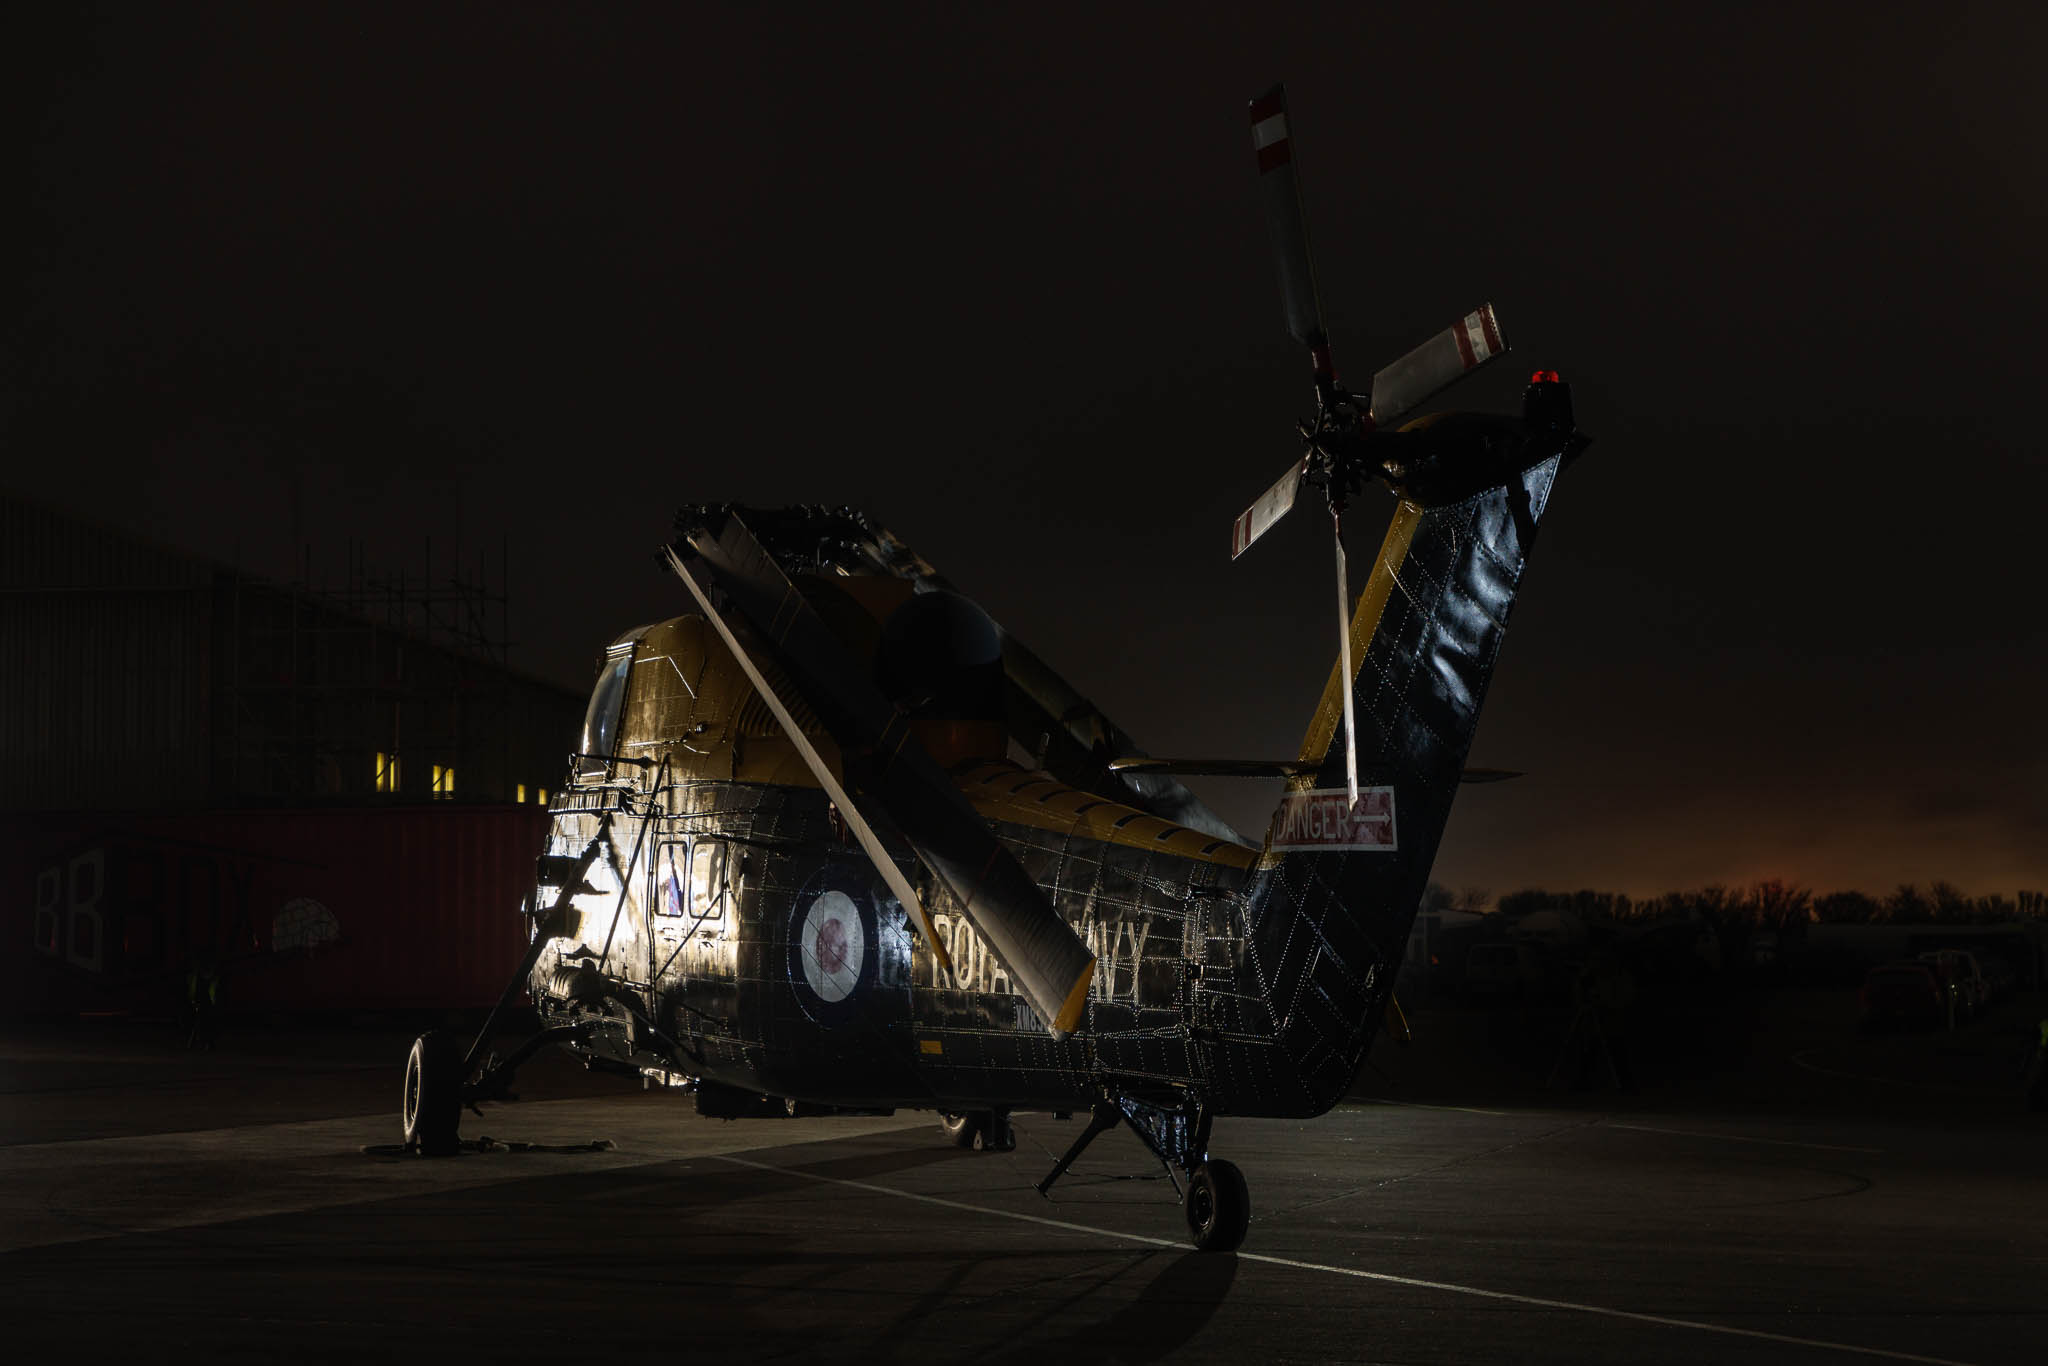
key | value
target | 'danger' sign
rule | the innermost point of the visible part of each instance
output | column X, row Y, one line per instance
column 1325, row 819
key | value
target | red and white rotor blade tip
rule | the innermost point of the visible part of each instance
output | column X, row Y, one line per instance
column 1441, row 361
column 1273, row 145
column 1275, row 503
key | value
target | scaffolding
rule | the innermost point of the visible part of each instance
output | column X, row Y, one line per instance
column 462, row 614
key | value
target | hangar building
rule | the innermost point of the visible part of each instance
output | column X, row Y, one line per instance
column 332, row 798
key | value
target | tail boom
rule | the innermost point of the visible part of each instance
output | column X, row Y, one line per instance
column 1330, row 908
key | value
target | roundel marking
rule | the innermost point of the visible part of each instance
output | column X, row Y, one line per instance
column 834, row 947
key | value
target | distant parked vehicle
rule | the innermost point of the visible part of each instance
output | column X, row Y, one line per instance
column 1907, row 994
column 1976, row 978
column 1998, row 974
column 1959, row 973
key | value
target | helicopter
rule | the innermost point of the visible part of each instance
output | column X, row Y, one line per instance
column 832, row 839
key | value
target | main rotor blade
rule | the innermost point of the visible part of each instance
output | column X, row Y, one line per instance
column 1273, row 144
column 1044, row 957
column 1266, row 768
column 1444, row 359
column 848, row 811
column 1275, row 503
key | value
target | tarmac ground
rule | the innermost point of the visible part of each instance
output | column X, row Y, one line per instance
column 1823, row 1197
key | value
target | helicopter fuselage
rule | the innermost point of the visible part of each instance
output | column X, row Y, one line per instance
column 718, row 923
column 754, row 946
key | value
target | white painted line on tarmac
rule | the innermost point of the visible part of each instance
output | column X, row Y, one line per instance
column 952, row 1204
column 1603, row 1311
column 1741, row 1138
column 1418, row 1105
column 78, row 1190
column 1387, row 1278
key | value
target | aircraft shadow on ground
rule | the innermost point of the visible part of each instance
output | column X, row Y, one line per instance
column 1174, row 1306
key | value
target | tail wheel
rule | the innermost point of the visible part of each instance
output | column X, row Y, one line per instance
column 433, row 1094
column 996, row 1134
column 988, row 1131
column 1219, row 1206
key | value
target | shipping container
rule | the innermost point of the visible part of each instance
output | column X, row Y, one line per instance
column 350, row 908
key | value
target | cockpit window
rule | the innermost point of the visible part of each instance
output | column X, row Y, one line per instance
column 601, row 721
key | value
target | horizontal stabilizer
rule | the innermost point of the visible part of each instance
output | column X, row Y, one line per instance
column 1214, row 768
column 1264, row 768
column 1275, row 503
column 1444, row 359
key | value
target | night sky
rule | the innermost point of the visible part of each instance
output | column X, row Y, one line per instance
column 536, row 275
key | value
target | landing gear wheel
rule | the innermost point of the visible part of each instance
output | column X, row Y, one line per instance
column 960, row 1128
column 433, row 1094
column 1219, row 1206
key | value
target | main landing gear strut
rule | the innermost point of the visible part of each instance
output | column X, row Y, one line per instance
column 1213, row 1194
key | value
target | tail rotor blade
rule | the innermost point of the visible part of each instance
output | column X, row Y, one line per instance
column 1273, row 144
column 1444, row 359
column 1275, row 503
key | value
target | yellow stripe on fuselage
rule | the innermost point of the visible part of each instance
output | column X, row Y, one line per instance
column 1365, row 623
column 1001, row 791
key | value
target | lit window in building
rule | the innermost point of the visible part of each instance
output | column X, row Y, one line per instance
column 519, row 789
column 387, row 772
column 443, row 784
column 543, row 799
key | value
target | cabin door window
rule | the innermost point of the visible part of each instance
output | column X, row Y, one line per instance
column 708, row 887
column 690, row 884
